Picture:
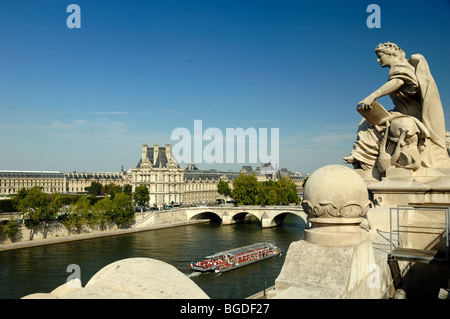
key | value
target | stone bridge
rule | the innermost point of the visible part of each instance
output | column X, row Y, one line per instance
column 268, row 216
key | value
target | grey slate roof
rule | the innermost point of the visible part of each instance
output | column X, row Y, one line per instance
column 31, row 174
column 161, row 160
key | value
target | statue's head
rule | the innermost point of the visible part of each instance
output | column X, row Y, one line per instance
column 388, row 54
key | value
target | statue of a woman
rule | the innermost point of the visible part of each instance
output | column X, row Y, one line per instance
column 414, row 94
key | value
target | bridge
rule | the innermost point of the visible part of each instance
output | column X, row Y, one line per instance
column 268, row 216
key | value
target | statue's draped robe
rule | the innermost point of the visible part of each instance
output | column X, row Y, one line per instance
column 419, row 98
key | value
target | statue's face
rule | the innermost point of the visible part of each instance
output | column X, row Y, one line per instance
column 385, row 60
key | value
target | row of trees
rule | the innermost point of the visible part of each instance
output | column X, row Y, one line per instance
column 39, row 208
column 248, row 191
column 98, row 188
column 10, row 229
column 141, row 195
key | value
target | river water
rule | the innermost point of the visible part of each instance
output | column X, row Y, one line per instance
column 42, row 269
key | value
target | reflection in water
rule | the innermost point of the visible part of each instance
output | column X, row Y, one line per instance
column 42, row 269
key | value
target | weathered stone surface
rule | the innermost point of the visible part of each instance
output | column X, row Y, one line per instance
column 335, row 191
column 67, row 288
column 307, row 265
column 313, row 271
column 133, row 278
column 40, row 295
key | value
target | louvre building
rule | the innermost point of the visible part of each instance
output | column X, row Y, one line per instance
column 167, row 181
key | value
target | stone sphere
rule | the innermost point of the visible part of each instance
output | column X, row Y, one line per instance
column 335, row 191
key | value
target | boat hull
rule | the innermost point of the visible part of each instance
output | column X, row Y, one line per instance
column 236, row 258
column 245, row 263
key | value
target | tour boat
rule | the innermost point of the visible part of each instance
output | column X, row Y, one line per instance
column 235, row 258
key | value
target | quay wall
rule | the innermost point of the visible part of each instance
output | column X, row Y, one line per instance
column 57, row 233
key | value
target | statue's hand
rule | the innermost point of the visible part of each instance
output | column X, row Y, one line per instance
column 366, row 103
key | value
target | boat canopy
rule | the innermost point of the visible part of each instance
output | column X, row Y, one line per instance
column 235, row 251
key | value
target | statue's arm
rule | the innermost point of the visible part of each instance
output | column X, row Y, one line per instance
column 388, row 88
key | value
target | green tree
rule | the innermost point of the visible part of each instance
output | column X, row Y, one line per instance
column 287, row 191
column 102, row 212
column 128, row 189
column 55, row 202
column 12, row 228
column 35, row 206
column 141, row 195
column 264, row 190
column 94, row 189
column 111, row 190
column 223, row 189
column 271, row 198
column 245, row 189
column 21, row 193
column 122, row 210
column 79, row 216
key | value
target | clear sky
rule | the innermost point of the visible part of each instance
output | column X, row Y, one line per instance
column 86, row 99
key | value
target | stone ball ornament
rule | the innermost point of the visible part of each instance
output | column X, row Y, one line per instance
column 335, row 191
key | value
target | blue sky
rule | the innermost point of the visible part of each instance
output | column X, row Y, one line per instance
column 87, row 99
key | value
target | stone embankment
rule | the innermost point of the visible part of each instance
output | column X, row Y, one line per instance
column 56, row 233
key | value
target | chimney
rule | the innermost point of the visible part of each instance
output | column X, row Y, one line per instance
column 144, row 152
column 155, row 153
column 168, row 151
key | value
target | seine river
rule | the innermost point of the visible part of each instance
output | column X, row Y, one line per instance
column 42, row 269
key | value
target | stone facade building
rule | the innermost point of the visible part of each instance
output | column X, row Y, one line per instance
column 160, row 172
column 77, row 182
column 50, row 181
column 168, row 182
column 201, row 186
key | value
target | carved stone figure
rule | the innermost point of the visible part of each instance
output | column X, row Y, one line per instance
column 413, row 134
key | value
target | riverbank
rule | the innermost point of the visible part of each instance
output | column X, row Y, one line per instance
column 91, row 235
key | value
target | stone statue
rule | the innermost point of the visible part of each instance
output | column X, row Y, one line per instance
column 413, row 134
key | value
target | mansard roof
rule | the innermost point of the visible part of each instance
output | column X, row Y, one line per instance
column 106, row 176
column 31, row 174
column 190, row 175
column 161, row 161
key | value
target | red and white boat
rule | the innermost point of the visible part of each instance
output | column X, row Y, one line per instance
column 235, row 258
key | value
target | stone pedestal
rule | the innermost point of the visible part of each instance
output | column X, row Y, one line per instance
column 405, row 187
column 336, row 259
column 335, row 231
column 313, row 271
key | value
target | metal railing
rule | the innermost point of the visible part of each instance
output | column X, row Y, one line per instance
column 423, row 208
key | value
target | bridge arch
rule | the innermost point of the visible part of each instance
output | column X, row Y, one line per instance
column 285, row 218
column 245, row 216
column 212, row 216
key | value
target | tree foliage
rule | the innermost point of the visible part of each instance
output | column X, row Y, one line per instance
column 223, row 188
column 37, row 206
column 41, row 208
column 141, row 195
column 245, row 189
column 122, row 212
column 248, row 191
column 12, row 228
column 95, row 188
